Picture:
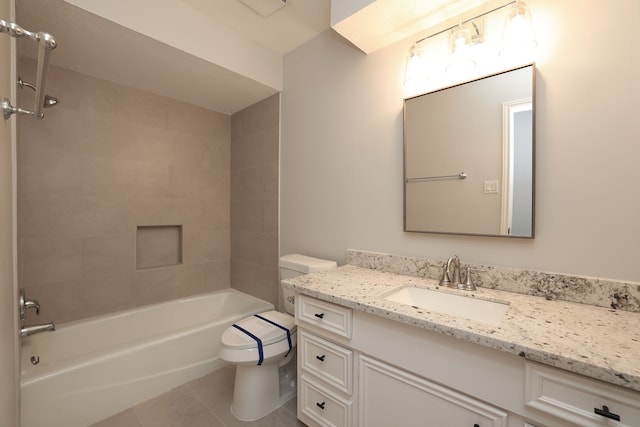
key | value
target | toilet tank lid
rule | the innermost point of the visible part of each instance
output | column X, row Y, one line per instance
column 305, row 264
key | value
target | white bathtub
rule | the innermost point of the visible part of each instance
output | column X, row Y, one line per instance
column 93, row 368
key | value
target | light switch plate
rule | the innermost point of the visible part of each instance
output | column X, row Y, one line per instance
column 490, row 187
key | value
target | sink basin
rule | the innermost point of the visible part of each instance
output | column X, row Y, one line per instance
column 480, row 310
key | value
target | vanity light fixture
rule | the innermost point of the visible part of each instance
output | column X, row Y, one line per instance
column 518, row 40
column 518, row 36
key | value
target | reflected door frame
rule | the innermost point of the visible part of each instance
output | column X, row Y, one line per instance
column 509, row 110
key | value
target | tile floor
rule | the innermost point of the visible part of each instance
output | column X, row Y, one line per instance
column 203, row 402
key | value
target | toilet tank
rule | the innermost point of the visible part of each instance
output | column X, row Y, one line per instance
column 293, row 265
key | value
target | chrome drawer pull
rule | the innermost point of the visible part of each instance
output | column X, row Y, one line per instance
column 319, row 315
column 320, row 405
column 320, row 358
column 605, row 413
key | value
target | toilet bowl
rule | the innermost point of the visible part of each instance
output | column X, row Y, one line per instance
column 263, row 348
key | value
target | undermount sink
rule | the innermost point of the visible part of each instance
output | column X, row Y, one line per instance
column 467, row 307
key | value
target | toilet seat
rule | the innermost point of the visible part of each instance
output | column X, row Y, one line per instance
column 275, row 330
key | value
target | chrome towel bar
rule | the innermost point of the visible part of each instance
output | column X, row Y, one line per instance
column 461, row 175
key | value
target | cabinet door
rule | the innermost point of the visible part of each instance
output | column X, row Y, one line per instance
column 389, row 396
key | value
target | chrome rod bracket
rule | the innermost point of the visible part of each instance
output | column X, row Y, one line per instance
column 8, row 110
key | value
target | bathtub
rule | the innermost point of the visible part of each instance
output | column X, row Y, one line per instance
column 93, row 368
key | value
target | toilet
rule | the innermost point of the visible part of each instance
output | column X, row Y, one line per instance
column 262, row 347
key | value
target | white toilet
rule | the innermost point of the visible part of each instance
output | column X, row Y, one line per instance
column 263, row 349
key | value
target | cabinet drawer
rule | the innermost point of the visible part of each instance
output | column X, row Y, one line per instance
column 576, row 398
column 327, row 361
column 330, row 317
column 322, row 406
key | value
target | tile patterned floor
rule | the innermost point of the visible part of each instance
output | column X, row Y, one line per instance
column 204, row 402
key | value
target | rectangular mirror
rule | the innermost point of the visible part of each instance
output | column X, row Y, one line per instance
column 469, row 157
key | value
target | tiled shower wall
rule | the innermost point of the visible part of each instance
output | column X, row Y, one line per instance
column 254, row 199
column 105, row 161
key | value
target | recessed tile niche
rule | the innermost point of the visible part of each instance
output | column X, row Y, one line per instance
column 158, row 246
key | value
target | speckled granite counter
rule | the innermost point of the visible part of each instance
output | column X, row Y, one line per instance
column 596, row 342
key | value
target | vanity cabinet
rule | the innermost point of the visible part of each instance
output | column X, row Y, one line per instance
column 357, row 369
column 330, row 389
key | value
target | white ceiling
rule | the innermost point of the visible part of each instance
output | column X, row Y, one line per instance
column 289, row 27
column 99, row 47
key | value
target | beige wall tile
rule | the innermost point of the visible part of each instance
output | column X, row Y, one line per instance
column 255, row 280
column 154, row 285
column 194, row 120
column 60, row 302
column 258, row 117
column 254, row 193
column 217, row 275
column 248, row 215
column 151, row 179
column 215, row 215
column 190, row 280
column 59, row 131
column 271, row 217
column 108, row 159
column 49, row 170
column 256, row 149
column 202, row 246
column 106, row 294
column 103, row 256
column 114, row 158
column 104, row 176
column 50, row 260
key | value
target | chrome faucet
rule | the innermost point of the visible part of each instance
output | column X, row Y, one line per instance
column 25, row 331
column 451, row 275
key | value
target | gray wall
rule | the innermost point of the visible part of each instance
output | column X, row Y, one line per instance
column 341, row 149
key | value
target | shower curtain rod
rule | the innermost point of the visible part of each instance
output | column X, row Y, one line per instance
column 46, row 42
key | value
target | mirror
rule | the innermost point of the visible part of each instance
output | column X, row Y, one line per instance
column 469, row 157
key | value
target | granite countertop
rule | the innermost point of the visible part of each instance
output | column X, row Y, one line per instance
column 596, row 342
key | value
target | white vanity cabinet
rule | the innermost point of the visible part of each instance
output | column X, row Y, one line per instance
column 359, row 369
column 332, row 393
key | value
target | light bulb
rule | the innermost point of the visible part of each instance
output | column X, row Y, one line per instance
column 518, row 37
column 416, row 68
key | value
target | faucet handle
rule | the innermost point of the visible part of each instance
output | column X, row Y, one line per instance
column 32, row 304
column 468, row 284
column 25, row 304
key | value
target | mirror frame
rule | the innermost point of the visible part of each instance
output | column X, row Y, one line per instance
column 533, row 156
